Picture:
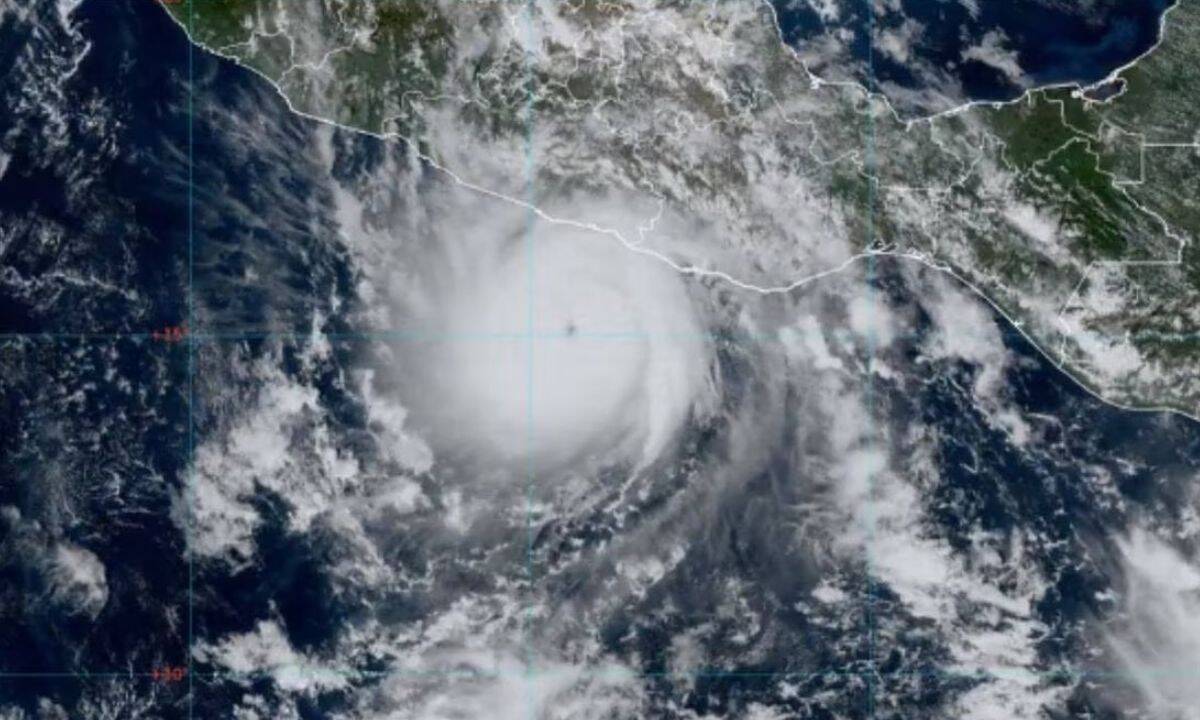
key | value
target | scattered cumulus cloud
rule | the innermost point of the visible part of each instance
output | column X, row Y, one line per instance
column 994, row 49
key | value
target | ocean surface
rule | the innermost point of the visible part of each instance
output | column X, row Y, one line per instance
column 1044, row 41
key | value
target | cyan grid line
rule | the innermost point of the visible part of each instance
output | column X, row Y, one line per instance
column 975, row 673
column 950, row 674
column 435, row 335
column 870, row 166
column 432, row 336
column 189, row 488
column 531, row 219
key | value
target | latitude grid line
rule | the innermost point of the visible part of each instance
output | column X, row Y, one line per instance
column 978, row 672
column 421, row 336
column 530, row 337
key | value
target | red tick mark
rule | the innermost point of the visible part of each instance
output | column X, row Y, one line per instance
column 170, row 334
column 169, row 673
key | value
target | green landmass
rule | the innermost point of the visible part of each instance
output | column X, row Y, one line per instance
column 1076, row 217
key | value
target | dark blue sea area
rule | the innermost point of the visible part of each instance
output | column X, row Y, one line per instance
column 131, row 200
column 93, row 413
column 93, row 196
column 1055, row 42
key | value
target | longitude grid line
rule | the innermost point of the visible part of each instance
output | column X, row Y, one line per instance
column 870, row 167
column 189, row 488
column 530, row 290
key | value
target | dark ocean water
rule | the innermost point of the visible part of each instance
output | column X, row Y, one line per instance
column 96, row 145
column 144, row 184
column 1055, row 42
column 93, row 434
column 99, row 174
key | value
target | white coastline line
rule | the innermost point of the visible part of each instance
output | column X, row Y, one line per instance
column 541, row 213
column 718, row 274
column 1078, row 90
column 637, row 247
column 1058, row 363
column 817, row 80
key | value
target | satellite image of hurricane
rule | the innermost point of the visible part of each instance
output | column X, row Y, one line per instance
column 600, row 359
